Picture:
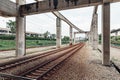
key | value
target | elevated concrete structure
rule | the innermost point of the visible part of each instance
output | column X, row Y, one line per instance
column 86, row 33
column 115, row 30
column 58, row 14
column 7, row 8
column 93, row 35
column 20, row 31
column 55, row 5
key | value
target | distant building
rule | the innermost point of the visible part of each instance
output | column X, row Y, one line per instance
column 6, row 31
column 34, row 34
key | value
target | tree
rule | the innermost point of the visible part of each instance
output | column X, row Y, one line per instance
column 53, row 36
column 66, row 38
column 12, row 25
column 46, row 34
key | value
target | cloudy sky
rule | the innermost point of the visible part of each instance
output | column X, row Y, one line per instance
column 81, row 17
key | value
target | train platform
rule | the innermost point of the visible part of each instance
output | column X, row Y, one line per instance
column 86, row 64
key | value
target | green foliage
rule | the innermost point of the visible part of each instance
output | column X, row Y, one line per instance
column 99, row 36
column 7, row 44
column 53, row 36
column 10, row 44
column 7, row 37
column 12, row 25
column 46, row 34
column 66, row 38
column 12, row 37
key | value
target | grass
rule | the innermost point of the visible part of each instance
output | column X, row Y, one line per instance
column 10, row 44
column 7, row 44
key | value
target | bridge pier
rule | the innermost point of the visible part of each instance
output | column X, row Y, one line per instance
column 20, row 31
column 58, row 32
column 95, row 32
column 116, row 34
column 71, row 35
column 74, row 38
column 106, row 33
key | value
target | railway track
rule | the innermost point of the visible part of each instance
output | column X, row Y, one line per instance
column 15, row 62
column 50, row 61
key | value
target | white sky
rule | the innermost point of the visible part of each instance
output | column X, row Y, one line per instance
column 81, row 17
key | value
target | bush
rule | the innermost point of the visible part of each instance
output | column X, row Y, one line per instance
column 12, row 37
column 7, row 37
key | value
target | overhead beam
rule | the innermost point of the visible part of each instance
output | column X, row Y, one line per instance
column 114, row 31
column 7, row 8
column 58, row 14
column 81, row 32
column 56, row 5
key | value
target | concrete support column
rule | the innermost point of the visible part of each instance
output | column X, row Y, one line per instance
column 71, row 37
column 58, row 32
column 116, row 34
column 20, row 31
column 89, row 38
column 74, row 38
column 92, row 33
column 106, row 33
column 95, row 32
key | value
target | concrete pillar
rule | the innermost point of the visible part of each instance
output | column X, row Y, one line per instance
column 71, row 37
column 89, row 37
column 20, row 31
column 95, row 32
column 86, row 36
column 92, row 33
column 116, row 34
column 106, row 33
column 58, row 32
column 90, row 41
column 74, row 38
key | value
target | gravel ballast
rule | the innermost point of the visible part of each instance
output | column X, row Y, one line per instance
column 86, row 64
